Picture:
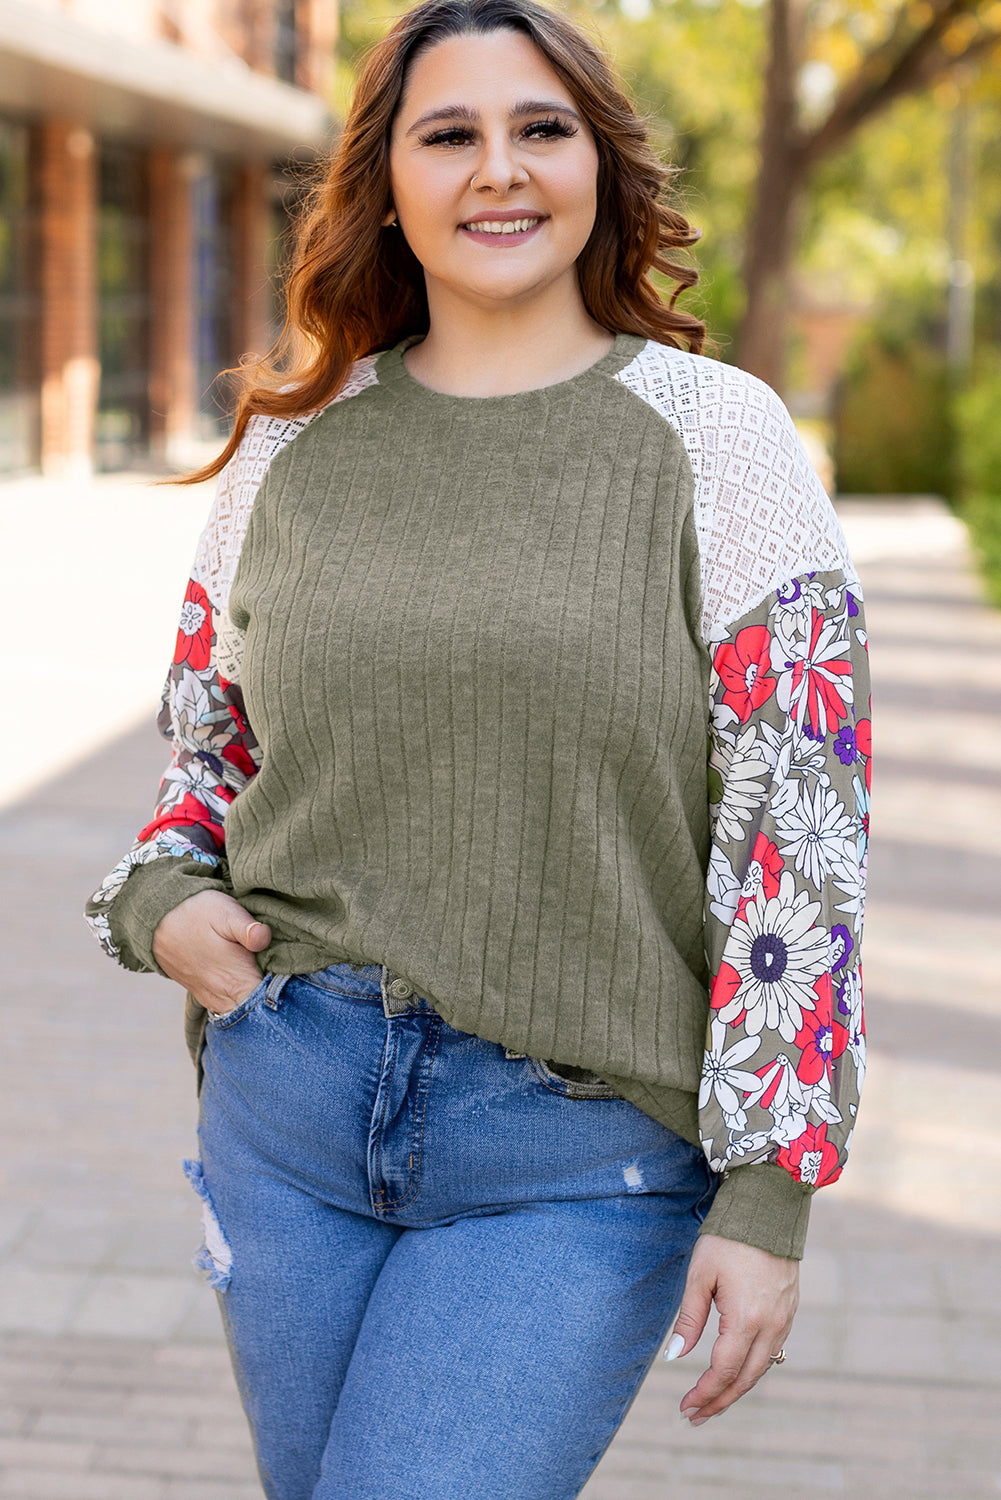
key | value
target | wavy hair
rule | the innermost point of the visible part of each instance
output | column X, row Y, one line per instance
column 353, row 288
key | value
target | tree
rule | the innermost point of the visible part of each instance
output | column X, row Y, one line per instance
column 921, row 42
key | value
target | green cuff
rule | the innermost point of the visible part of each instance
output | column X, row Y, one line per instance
column 761, row 1205
column 151, row 891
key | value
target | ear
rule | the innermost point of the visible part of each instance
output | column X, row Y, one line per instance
column 389, row 218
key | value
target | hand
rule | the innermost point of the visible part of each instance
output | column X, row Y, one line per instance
column 757, row 1295
column 207, row 944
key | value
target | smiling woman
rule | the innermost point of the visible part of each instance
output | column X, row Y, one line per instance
column 524, row 1031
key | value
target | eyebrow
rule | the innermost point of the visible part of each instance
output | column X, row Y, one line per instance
column 471, row 116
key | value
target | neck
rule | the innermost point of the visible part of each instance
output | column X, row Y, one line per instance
column 475, row 351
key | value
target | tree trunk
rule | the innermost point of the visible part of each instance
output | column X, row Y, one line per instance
column 771, row 236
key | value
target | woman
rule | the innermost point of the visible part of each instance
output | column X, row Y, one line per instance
column 487, row 557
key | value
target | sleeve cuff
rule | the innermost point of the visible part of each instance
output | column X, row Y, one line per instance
column 761, row 1205
column 151, row 891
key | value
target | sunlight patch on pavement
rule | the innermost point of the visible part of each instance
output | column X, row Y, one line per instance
column 97, row 600
column 926, row 1145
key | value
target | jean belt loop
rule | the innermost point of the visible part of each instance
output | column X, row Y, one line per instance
column 397, row 994
column 272, row 995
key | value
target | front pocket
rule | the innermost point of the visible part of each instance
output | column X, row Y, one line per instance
column 571, row 1082
column 230, row 1017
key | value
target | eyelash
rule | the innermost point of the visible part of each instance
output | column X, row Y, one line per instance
column 457, row 135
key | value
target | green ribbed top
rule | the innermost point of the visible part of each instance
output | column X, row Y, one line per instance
column 474, row 666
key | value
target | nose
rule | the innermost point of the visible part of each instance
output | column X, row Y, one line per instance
column 500, row 169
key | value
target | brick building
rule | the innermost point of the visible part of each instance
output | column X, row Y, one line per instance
column 141, row 153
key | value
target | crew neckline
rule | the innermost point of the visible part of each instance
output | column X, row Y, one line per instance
column 391, row 370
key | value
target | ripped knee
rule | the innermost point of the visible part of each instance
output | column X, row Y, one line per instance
column 213, row 1258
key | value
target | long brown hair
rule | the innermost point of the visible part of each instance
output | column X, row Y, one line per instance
column 354, row 287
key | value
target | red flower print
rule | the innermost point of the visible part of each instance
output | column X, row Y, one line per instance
column 238, row 715
column 238, row 756
column 194, row 634
column 863, row 739
column 724, row 987
column 816, row 682
column 188, row 810
column 743, row 670
column 763, row 872
column 812, row 1158
column 820, row 1037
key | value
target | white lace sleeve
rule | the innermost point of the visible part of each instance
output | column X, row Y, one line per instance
column 761, row 513
column 219, row 547
column 214, row 753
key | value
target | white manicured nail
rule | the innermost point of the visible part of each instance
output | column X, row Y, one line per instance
column 675, row 1347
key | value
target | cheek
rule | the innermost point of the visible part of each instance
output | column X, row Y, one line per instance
column 573, row 187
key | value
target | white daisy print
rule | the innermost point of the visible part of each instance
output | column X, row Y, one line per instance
column 778, row 954
column 722, row 1077
column 744, row 772
column 818, row 833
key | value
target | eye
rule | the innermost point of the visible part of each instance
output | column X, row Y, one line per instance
column 545, row 130
column 455, row 135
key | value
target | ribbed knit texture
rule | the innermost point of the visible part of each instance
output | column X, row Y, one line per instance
column 474, row 666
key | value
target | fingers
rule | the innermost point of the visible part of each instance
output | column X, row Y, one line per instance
column 738, row 1363
column 695, row 1306
column 756, row 1294
column 207, row 944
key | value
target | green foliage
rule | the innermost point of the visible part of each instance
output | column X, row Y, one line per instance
column 979, row 429
column 893, row 426
column 978, row 421
column 982, row 514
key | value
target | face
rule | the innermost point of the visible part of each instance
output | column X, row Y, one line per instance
column 493, row 171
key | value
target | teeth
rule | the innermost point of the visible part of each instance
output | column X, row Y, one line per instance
column 502, row 226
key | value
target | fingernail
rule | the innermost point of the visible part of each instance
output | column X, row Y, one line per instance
column 700, row 1421
column 675, row 1347
column 688, row 1412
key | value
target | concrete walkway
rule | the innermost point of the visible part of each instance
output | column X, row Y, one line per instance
column 114, row 1381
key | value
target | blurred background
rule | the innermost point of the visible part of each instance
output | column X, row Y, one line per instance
column 844, row 164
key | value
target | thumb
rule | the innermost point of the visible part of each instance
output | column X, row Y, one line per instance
column 692, row 1316
column 256, row 936
column 238, row 926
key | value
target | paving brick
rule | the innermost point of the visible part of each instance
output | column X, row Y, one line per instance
column 120, row 1305
column 54, row 1484
column 200, row 1489
column 118, row 1430
column 197, row 1463
column 39, row 1300
column 21, row 1452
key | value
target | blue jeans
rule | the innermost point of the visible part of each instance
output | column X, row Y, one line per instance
column 443, row 1270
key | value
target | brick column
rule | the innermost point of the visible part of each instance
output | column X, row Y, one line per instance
column 252, row 296
column 317, row 26
column 172, row 327
column 68, row 316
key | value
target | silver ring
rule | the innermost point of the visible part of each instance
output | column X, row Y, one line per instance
column 777, row 1359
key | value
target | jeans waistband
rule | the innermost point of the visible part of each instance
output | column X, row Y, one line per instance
column 372, row 982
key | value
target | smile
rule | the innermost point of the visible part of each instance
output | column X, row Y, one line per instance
column 501, row 226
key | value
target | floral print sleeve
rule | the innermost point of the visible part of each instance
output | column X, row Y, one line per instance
column 214, row 756
column 789, row 796
column 183, row 848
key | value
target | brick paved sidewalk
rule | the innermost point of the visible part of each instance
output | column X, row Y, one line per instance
column 114, row 1380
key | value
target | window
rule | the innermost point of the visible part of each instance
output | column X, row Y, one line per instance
column 286, row 41
column 123, row 316
column 19, row 386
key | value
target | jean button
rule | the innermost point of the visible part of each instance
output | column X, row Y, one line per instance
column 400, row 989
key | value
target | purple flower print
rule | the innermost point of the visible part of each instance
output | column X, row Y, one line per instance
column 845, row 747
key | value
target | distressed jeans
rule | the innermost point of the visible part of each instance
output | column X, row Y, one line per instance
column 443, row 1270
